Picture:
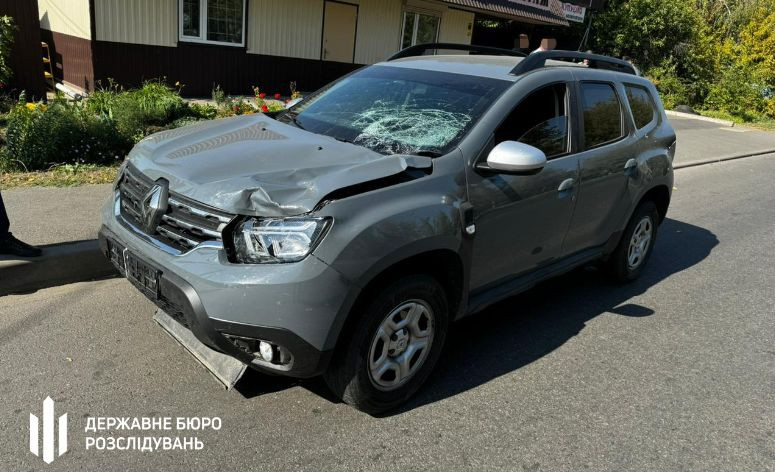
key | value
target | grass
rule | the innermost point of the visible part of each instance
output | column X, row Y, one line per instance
column 765, row 124
column 60, row 176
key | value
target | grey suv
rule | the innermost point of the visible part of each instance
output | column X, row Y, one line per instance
column 342, row 236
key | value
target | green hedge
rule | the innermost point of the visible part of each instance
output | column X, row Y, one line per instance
column 103, row 128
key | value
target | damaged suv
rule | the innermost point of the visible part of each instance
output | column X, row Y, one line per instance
column 342, row 236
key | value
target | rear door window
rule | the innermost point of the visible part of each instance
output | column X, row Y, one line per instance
column 602, row 114
column 641, row 104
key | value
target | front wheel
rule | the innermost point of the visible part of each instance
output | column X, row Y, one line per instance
column 634, row 250
column 394, row 346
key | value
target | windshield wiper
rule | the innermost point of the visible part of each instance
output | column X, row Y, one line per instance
column 295, row 121
column 428, row 153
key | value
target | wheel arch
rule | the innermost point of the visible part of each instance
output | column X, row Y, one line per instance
column 660, row 195
column 445, row 265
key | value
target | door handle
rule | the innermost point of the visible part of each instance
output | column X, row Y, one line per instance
column 566, row 184
column 631, row 164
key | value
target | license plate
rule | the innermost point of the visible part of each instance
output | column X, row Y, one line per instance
column 141, row 274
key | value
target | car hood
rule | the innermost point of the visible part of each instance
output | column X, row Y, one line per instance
column 255, row 165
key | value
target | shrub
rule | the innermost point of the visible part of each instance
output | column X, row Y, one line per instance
column 672, row 89
column 61, row 132
column 134, row 112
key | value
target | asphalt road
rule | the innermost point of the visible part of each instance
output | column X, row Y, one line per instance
column 673, row 372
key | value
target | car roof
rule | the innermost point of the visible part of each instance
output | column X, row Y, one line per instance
column 494, row 67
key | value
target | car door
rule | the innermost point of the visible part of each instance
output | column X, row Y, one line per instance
column 605, row 161
column 521, row 220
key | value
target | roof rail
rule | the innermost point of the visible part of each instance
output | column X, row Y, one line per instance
column 419, row 49
column 537, row 60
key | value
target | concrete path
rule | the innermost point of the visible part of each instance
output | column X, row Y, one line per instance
column 701, row 142
column 64, row 222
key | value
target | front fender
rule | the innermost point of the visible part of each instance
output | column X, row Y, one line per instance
column 378, row 229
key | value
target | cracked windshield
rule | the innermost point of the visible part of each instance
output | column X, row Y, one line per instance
column 396, row 110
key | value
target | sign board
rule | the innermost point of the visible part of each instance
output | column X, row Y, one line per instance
column 542, row 4
column 574, row 12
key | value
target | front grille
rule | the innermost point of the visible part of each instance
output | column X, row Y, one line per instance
column 186, row 223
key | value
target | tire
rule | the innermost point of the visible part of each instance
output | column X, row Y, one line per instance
column 619, row 264
column 350, row 374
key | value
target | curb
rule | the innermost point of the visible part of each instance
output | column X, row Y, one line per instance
column 715, row 160
column 60, row 264
column 680, row 114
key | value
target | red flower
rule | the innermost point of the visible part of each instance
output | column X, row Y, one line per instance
column 262, row 95
column 2, row 85
column 264, row 108
column 277, row 96
column 236, row 107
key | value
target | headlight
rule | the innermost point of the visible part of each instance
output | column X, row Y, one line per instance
column 259, row 240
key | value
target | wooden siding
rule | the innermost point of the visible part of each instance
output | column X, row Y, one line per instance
column 25, row 59
column 72, row 58
column 456, row 26
column 70, row 17
column 285, row 28
column 379, row 30
column 200, row 67
column 295, row 28
column 153, row 22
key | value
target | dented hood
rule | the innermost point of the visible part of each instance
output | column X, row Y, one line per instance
column 255, row 165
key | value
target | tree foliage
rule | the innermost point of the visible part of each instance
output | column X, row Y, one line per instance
column 704, row 53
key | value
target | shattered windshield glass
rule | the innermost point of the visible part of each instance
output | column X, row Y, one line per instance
column 395, row 110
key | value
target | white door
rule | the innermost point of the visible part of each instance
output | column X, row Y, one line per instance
column 339, row 25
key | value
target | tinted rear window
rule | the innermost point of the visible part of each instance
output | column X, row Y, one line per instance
column 641, row 104
column 602, row 114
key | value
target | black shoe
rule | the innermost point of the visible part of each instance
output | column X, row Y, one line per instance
column 11, row 245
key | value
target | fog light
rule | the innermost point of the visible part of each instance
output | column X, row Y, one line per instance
column 266, row 351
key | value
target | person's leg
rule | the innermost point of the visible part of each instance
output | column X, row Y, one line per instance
column 9, row 244
column 4, row 223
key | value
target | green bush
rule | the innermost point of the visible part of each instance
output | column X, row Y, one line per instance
column 737, row 92
column 671, row 88
column 134, row 112
column 39, row 136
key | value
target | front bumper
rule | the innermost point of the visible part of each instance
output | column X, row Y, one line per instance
column 195, row 290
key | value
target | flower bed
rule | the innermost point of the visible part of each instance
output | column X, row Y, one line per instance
column 102, row 129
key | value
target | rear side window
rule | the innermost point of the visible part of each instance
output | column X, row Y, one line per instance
column 641, row 104
column 602, row 114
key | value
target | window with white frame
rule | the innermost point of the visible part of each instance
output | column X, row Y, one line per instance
column 213, row 21
column 419, row 28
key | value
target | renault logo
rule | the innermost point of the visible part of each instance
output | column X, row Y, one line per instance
column 154, row 205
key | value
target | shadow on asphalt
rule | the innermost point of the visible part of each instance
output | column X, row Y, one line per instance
column 526, row 327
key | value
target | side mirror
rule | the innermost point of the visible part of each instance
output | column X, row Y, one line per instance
column 293, row 102
column 515, row 157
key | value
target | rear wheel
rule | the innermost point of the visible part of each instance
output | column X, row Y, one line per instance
column 634, row 250
column 394, row 346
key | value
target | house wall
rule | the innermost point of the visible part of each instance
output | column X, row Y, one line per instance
column 66, row 26
column 285, row 28
column 456, row 26
column 295, row 28
column 152, row 22
column 25, row 59
column 70, row 17
column 137, row 40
